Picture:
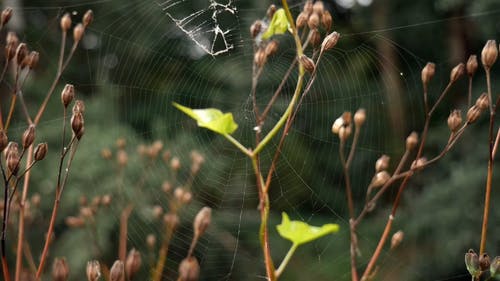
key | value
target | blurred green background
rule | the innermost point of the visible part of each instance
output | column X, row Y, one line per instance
column 134, row 62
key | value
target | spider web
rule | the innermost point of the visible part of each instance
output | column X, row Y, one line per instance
column 210, row 56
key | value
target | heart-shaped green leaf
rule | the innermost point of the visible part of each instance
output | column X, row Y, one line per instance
column 279, row 24
column 211, row 118
column 300, row 232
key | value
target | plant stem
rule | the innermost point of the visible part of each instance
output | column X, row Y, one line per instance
column 489, row 178
column 162, row 255
column 285, row 261
column 238, row 145
column 122, row 248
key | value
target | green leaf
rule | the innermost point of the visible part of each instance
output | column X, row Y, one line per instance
column 279, row 24
column 211, row 118
column 300, row 232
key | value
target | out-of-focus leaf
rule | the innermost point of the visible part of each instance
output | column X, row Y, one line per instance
column 300, row 232
column 279, row 24
column 211, row 118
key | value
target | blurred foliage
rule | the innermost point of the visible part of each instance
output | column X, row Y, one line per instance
column 134, row 63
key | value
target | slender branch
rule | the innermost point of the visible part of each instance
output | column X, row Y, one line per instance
column 285, row 261
column 122, row 244
column 162, row 254
column 238, row 145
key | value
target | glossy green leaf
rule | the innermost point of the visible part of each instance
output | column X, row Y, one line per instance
column 211, row 118
column 279, row 24
column 300, row 232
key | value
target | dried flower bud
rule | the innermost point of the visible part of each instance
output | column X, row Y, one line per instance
column 78, row 32
column 419, row 163
column 270, row 11
column 308, row 7
column 260, row 58
column 301, row 20
column 495, row 267
column 271, row 48
column 77, row 123
column 67, row 94
column 330, row 41
column 29, row 136
column 484, row 262
column 489, row 54
column 412, row 141
column 166, row 187
column 6, row 15
column 472, row 263
column 318, row 7
column 117, row 271
column 121, row 143
column 307, row 63
column 4, row 140
column 345, row 132
column 339, row 122
column 88, row 18
column 187, row 197
column 382, row 163
column 157, row 211
column 326, row 20
column 133, row 263
column 33, row 59
column 396, row 239
column 171, row 220
column 483, row 102
column 60, row 270
column 347, row 116
column 473, row 114
column 74, row 222
column 79, row 107
column 471, row 65
column 427, row 73
column 41, row 151
column 106, row 153
column 360, row 117
column 189, row 269
column 456, row 72
column 313, row 21
column 380, row 179
column 12, row 38
column 315, row 38
column 12, row 42
column 86, row 212
column 21, row 53
column 255, row 28
column 93, row 270
column 151, row 241
column 455, row 120
column 175, row 163
column 36, row 199
column 66, row 22
column 122, row 158
column 202, row 221
column 12, row 157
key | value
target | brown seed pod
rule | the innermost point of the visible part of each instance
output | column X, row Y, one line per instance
column 308, row 7
column 271, row 48
column 117, row 271
column 133, row 263
column 67, row 94
column 482, row 102
column 189, row 269
column 28, row 136
column 307, row 63
column 380, row 179
column 88, row 18
column 21, row 53
column 455, row 120
column 360, row 117
column 202, row 221
column 255, row 28
column 472, row 65
column 60, row 270
column 40, row 151
column 66, row 22
column 77, row 123
column 456, row 72
column 473, row 114
column 260, row 57
column 33, row 59
column 4, row 140
column 326, row 20
column 12, row 157
column 412, row 141
column 313, row 21
column 270, row 11
column 93, row 270
column 489, row 54
column 6, row 15
column 78, row 32
column 382, row 163
column 396, row 239
column 427, row 73
column 315, row 38
column 301, row 20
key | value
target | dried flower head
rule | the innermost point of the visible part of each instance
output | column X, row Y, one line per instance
column 345, row 132
column 308, row 7
column 473, row 114
column 60, row 270
column 270, row 11
column 74, row 222
column 255, row 28
column 88, row 18
column 4, row 140
column 301, row 20
column 419, row 163
column 117, row 271
column 455, row 120
column 495, row 267
column 21, row 53
column 151, row 241
column 412, row 141
column 133, row 263
column 456, row 72
column 175, row 163
column 484, row 262
column 472, row 65
column 326, row 20
column 122, row 158
column 307, row 63
column 489, row 54
column 41, row 150
column 171, row 220
column 6, row 15
column 28, row 136
column 330, row 41
column 472, row 263
column 78, row 32
column 271, row 48
column 66, row 22
column 12, row 157
column 482, row 102
column 189, row 269
column 67, row 94
column 380, row 179
column 396, row 239
column 360, row 117
column 93, row 270
column 77, row 123
column 315, row 37
column 260, row 57
column 382, row 163
column 33, row 59
column 427, row 73
column 313, row 21
column 202, row 221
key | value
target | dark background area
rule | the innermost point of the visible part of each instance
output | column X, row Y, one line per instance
column 134, row 62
